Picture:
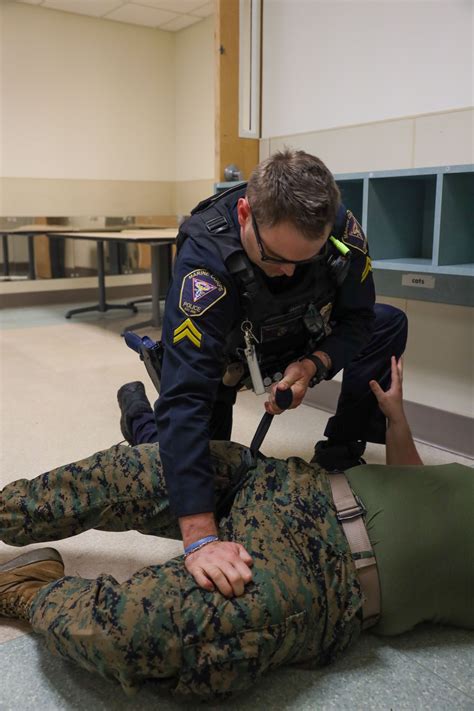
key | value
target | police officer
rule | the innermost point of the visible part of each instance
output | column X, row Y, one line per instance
column 272, row 282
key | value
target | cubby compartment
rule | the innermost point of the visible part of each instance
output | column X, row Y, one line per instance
column 400, row 220
column 352, row 195
column 456, row 234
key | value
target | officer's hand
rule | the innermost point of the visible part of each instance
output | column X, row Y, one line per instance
column 296, row 377
column 223, row 565
column 391, row 402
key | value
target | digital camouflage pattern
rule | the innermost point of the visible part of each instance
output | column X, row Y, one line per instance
column 303, row 605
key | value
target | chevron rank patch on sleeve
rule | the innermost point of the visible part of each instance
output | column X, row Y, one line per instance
column 187, row 330
column 354, row 235
column 367, row 269
column 199, row 291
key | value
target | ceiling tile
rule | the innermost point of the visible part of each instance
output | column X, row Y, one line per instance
column 179, row 23
column 171, row 15
column 205, row 10
column 141, row 15
column 95, row 8
column 180, row 7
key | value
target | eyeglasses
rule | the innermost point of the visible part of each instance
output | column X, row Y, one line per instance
column 278, row 260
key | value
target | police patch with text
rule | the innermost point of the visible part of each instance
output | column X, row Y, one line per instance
column 200, row 290
column 354, row 235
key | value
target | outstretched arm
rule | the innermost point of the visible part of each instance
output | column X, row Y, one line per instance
column 400, row 447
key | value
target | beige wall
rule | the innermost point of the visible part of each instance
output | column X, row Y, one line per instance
column 60, row 197
column 102, row 118
column 96, row 115
column 195, row 115
column 85, row 98
column 440, row 353
column 195, row 103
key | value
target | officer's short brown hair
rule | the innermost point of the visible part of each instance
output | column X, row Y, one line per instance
column 294, row 186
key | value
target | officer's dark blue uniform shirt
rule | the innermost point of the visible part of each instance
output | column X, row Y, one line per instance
column 202, row 307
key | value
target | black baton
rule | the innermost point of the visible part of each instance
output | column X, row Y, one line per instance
column 283, row 399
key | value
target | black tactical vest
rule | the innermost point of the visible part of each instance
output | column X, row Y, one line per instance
column 286, row 322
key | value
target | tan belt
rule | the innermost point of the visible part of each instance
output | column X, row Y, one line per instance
column 350, row 513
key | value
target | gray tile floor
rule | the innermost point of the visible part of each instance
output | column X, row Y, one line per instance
column 58, row 383
column 430, row 668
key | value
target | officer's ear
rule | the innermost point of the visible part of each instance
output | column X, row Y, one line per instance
column 243, row 211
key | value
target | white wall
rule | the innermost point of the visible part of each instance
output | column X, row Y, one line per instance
column 330, row 63
column 85, row 98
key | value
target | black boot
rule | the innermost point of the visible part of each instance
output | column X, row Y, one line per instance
column 132, row 401
column 338, row 456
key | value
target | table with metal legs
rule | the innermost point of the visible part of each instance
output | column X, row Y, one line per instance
column 102, row 306
column 156, row 238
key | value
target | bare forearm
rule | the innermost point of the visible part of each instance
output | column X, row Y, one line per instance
column 400, row 447
column 197, row 526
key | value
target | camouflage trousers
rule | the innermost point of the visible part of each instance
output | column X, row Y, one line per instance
column 303, row 605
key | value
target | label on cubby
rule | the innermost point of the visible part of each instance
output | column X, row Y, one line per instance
column 425, row 281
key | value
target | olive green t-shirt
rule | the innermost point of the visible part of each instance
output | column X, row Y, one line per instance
column 420, row 520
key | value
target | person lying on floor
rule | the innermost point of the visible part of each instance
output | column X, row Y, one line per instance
column 306, row 596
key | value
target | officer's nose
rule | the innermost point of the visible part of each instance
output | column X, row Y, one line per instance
column 287, row 269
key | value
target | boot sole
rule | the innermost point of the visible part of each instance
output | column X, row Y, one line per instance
column 128, row 395
column 36, row 556
column 127, row 388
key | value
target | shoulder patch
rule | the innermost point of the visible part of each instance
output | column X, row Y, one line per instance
column 199, row 291
column 354, row 235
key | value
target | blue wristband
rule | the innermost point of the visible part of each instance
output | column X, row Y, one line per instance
column 199, row 544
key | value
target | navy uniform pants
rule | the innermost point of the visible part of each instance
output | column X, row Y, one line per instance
column 357, row 417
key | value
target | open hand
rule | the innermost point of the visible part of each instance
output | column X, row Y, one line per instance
column 222, row 564
column 391, row 401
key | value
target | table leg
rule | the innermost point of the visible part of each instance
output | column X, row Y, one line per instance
column 155, row 321
column 6, row 260
column 31, row 257
column 155, row 285
column 101, row 275
column 102, row 306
